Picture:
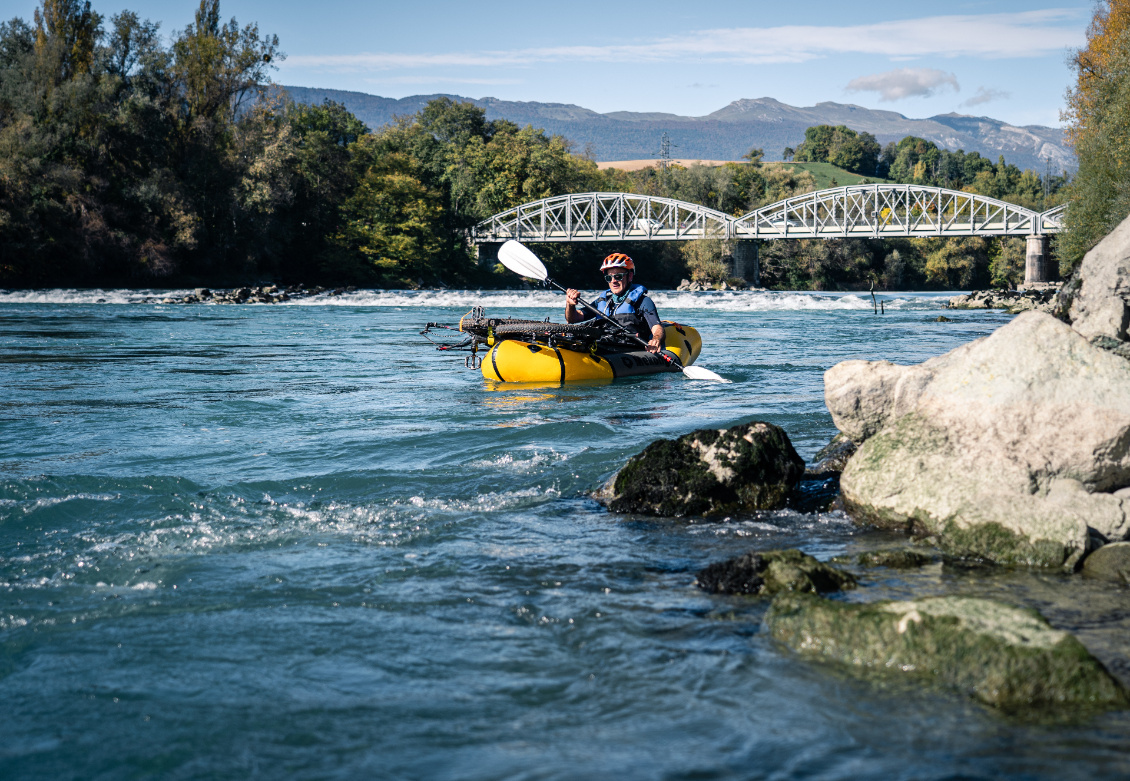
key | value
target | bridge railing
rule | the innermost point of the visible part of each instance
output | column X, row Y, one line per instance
column 1051, row 221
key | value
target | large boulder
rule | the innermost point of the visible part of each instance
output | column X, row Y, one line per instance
column 1012, row 448
column 1005, row 656
column 762, row 573
column 1101, row 305
column 749, row 467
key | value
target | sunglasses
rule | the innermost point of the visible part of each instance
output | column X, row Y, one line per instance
column 617, row 277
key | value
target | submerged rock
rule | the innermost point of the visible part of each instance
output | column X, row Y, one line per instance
column 833, row 457
column 1007, row 657
column 1009, row 449
column 895, row 558
column 818, row 490
column 1110, row 562
column 709, row 472
column 768, row 572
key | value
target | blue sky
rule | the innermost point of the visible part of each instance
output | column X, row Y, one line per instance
column 1000, row 58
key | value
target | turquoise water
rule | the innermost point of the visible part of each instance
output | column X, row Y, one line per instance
column 297, row 541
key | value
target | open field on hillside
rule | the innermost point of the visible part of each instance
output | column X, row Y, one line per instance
column 826, row 174
column 637, row 165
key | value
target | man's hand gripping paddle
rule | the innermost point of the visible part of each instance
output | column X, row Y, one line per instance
column 518, row 258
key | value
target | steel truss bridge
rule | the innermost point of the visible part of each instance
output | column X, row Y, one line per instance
column 865, row 211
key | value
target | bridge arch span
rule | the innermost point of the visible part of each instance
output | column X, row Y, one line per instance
column 605, row 217
column 892, row 210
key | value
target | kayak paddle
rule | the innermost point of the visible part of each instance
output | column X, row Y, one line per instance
column 522, row 261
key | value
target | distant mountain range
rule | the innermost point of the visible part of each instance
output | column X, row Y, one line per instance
column 730, row 132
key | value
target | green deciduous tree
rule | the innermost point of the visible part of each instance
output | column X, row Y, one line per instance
column 1007, row 257
column 841, row 146
column 66, row 32
column 393, row 219
column 221, row 66
column 956, row 263
column 705, row 259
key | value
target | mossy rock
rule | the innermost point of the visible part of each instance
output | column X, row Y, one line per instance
column 1004, row 656
column 709, row 472
column 762, row 573
column 903, row 479
column 992, row 542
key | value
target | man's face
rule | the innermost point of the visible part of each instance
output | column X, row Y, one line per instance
column 617, row 279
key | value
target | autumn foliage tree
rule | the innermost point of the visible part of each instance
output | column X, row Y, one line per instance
column 1098, row 117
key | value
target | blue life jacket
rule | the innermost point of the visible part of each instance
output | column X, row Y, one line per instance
column 627, row 312
column 630, row 305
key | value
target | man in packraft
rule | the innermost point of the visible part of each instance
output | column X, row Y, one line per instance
column 625, row 302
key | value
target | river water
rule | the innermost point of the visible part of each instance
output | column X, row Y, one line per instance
column 297, row 541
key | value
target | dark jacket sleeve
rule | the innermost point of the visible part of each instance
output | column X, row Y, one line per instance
column 647, row 309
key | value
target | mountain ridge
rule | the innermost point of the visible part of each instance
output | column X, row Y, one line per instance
column 729, row 132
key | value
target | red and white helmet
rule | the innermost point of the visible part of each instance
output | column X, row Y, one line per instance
column 618, row 260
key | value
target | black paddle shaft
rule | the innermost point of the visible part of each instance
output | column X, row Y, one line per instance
column 663, row 354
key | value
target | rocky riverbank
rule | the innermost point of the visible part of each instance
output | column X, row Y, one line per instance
column 266, row 294
column 1039, row 298
column 686, row 286
column 1012, row 451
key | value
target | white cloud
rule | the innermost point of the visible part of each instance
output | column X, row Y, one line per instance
column 990, row 36
column 904, row 83
column 986, row 95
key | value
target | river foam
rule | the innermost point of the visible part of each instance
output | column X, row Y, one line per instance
column 718, row 301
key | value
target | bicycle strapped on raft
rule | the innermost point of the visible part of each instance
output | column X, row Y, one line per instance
column 480, row 330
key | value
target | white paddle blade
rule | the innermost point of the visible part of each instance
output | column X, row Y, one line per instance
column 699, row 373
column 518, row 258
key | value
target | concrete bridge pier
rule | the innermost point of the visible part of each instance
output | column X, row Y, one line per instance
column 487, row 252
column 1037, row 261
column 747, row 264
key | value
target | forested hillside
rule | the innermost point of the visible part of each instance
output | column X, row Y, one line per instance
column 128, row 160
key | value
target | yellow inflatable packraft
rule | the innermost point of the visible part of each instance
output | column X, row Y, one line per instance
column 514, row 360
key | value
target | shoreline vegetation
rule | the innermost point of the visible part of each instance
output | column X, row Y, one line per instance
column 138, row 163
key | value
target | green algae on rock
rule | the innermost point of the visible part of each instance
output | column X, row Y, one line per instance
column 748, row 467
column 1005, row 656
column 763, row 573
